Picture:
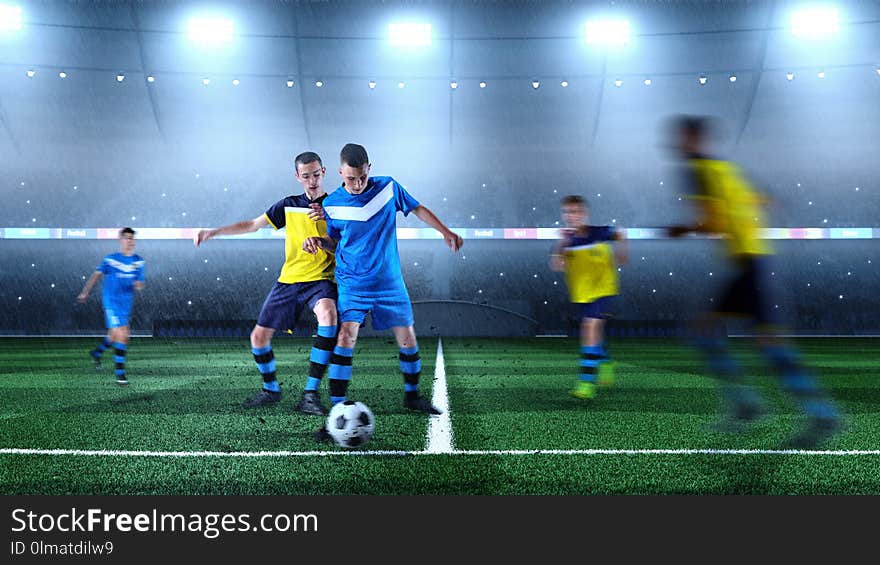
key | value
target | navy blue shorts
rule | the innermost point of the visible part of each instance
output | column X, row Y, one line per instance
column 748, row 293
column 599, row 308
column 285, row 302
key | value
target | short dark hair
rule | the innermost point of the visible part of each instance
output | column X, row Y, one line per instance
column 700, row 126
column 306, row 158
column 354, row 155
column 574, row 199
column 125, row 231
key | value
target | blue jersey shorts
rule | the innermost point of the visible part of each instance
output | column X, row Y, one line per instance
column 389, row 311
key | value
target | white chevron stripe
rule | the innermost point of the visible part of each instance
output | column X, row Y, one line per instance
column 362, row 213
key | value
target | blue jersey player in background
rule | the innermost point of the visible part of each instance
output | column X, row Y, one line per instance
column 362, row 229
column 124, row 272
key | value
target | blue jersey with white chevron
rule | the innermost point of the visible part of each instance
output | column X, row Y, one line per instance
column 365, row 225
column 120, row 273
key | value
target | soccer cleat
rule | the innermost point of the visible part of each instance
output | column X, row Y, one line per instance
column 121, row 380
column 606, row 374
column 584, row 390
column 96, row 359
column 321, row 435
column 310, row 403
column 262, row 398
column 421, row 404
column 815, row 432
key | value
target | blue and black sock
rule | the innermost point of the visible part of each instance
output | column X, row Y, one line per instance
column 799, row 383
column 411, row 367
column 322, row 351
column 265, row 360
column 101, row 348
column 340, row 373
column 591, row 356
column 121, row 350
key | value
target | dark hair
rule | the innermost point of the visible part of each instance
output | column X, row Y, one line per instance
column 354, row 155
column 306, row 158
column 700, row 126
column 125, row 231
column 574, row 199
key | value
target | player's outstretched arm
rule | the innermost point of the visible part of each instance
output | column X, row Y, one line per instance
column 139, row 285
column 84, row 295
column 621, row 246
column 453, row 240
column 314, row 243
column 237, row 228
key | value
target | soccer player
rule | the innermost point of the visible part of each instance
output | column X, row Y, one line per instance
column 361, row 228
column 728, row 205
column 589, row 256
column 306, row 279
column 125, row 274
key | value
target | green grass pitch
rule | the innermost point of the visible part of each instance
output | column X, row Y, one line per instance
column 508, row 399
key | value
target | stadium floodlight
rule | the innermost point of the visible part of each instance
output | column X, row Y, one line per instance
column 372, row 84
column 821, row 74
column 206, row 81
column 210, row 30
column 878, row 71
column 409, row 34
column 10, row 18
column 235, row 82
column 401, row 84
column 120, row 77
column 536, row 84
column 732, row 78
column 618, row 83
column 454, row 84
column 789, row 76
column 289, row 83
column 647, row 82
column 564, row 84
column 815, row 23
column 62, row 74
column 703, row 79
column 483, row 84
column 319, row 83
column 31, row 73
column 151, row 78
column 606, row 32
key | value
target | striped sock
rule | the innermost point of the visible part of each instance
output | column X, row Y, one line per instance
column 797, row 381
column 101, row 348
column 265, row 360
column 590, row 358
column 121, row 351
column 340, row 373
column 411, row 367
column 322, row 350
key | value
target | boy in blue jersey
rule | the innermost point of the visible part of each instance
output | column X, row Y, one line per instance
column 362, row 230
column 125, row 274
column 306, row 280
column 589, row 256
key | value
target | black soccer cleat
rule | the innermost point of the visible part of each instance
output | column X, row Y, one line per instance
column 740, row 419
column 96, row 359
column 321, row 435
column 262, row 398
column 310, row 403
column 121, row 380
column 815, row 432
column 421, row 404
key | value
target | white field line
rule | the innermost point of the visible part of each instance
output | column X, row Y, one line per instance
column 364, row 453
column 440, row 427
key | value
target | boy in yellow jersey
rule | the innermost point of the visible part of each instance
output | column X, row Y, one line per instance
column 306, row 280
column 586, row 255
column 727, row 205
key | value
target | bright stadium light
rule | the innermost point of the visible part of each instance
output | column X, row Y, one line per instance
column 31, row 73
column 120, row 77
column 151, row 78
column 732, row 78
column 206, row 81
column 703, row 79
column 789, row 76
column 618, row 83
column 606, row 32
column 536, row 84
column 815, row 23
column 62, row 74
column 372, row 84
column 454, row 84
column 319, row 83
column 211, row 30
column 289, row 84
column 564, row 84
column 10, row 18
column 235, row 82
column 409, row 34
column 821, row 74
column 483, row 84
column 647, row 82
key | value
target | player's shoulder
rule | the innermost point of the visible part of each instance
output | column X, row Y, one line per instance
column 137, row 258
column 296, row 201
column 336, row 197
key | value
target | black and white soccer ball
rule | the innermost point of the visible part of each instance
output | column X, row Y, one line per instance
column 350, row 424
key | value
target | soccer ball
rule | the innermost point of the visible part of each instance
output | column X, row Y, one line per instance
column 350, row 423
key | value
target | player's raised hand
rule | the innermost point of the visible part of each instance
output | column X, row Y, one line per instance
column 202, row 236
column 312, row 244
column 317, row 212
column 453, row 241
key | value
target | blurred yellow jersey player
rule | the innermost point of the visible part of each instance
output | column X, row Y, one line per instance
column 727, row 205
column 588, row 256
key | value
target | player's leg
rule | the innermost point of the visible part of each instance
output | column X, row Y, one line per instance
column 279, row 312
column 339, row 372
column 120, row 336
column 98, row 351
column 585, row 387
column 411, row 368
column 324, row 308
